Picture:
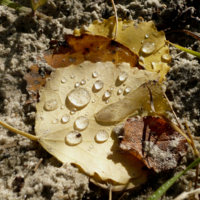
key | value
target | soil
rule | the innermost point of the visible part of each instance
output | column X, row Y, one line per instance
column 23, row 37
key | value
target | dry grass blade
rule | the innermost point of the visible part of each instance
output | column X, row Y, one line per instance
column 116, row 19
column 10, row 145
column 185, row 195
column 38, row 164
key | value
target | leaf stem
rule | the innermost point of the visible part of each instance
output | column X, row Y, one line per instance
column 32, row 137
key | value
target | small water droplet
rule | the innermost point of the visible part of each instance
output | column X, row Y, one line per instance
column 79, row 97
column 107, row 94
column 166, row 57
column 86, row 114
column 83, row 82
column 55, row 121
column 51, row 105
column 93, row 100
column 88, row 79
column 146, row 36
column 65, row 118
column 63, row 80
column 95, row 74
column 91, row 146
column 62, row 107
column 77, row 84
column 73, row 138
column 81, row 123
column 106, row 101
column 72, row 76
column 123, row 76
column 128, row 89
column 101, row 136
column 119, row 91
column 111, row 88
column 148, row 47
column 73, row 111
column 142, row 42
column 98, row 85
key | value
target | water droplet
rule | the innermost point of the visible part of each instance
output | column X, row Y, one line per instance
column 63, row 80
column 95, row 74
column 91, row 146
column 51, row 105
column 83, row 82
column 79, row 97
column 65, row 118
column 102, row 136
column 111, row 88
column 72, row 76
column 148, row 47
column 106, row 101
column 86, row 114
column 107, row 94
column 77, row 84
column 81, row 123
column 123, row 76
column 166, row 57
column 128, row 89
column 62, row 107
column 98, row 85
column 93, row 100
column 55, row 121
column 146, row 36
column 119, row 91
column 73, row 138
column 73, row 111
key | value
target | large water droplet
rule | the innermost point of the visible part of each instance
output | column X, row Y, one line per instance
column 119, row 91
column 123, row 76
column 98, row 85
column 81, row 123
column 166, row 57
column 128, row 89
column 73, row 111
column 95, row 74
column 107, row 94
column 148, row 47
column 101, row 136
column 63, row 80
column 79, row 97
column 51, row 105
column 83, row 82
column 73, row 138
column 65, row 118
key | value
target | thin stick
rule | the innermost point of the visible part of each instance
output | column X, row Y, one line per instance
column 173, row 111
column 193, row 145
column 122, row 196
column 185, row 195
column 38, row 164
column 116, row 19
column 110, row 191
column 32, row 137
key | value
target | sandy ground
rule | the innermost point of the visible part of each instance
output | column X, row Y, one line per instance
column 22, row 37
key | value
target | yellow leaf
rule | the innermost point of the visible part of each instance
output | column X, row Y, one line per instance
column 77, row 113
column 142, row 38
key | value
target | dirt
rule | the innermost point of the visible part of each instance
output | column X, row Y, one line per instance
column 23, row 37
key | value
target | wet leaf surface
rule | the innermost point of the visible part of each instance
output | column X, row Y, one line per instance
column 75, row 50
column 76, row 115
